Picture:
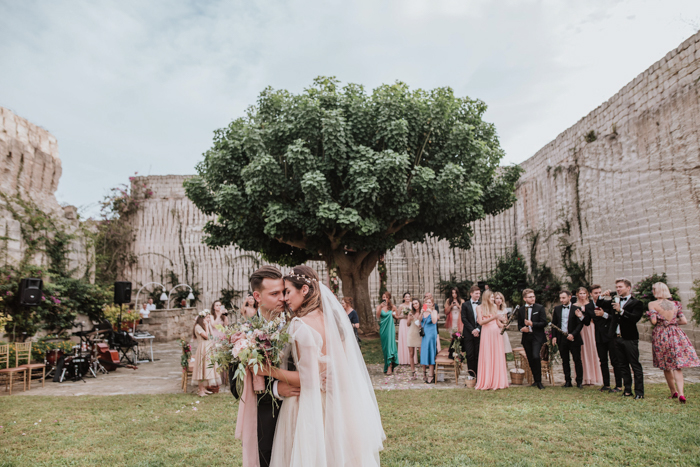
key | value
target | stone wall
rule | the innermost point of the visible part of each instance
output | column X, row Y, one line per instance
column 622, row 186
column 31, row 168
column 169, row 324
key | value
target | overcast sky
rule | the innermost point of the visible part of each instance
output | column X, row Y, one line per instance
column 139, row 86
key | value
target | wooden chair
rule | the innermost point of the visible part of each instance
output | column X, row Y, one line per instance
column 7, row 373
column 24, row 351
column 547, row 372
column 445, row 365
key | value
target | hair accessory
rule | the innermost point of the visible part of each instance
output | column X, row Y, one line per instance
column 204, row 313
column 301, row 277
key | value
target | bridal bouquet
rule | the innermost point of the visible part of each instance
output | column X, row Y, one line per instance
column 253, row 343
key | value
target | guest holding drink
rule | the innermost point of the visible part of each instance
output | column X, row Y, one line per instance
column 493, row 369
column 673, row 350
column 627, row 313
column 414, row 337
column 453, row 308
column 203, row 374
column 429, row 318
column 569, row 318
column 250, row 307
column 387, row 333
column 500, row 302
column 589, row 354
column 401, row 314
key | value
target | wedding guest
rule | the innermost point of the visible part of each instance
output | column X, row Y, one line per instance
column 414, row 337
column 203, row 373
column 532, row 319
column 569, row 338
column 429, row 318
column 493, row 369
column 672, row 350
column 429, row 296
column 348, row 304
column 605, row 345
column 151, row 306
column 453, row 307
column 144, row 311
column 500, row 302
column 387, row 333
column 401, row 314
column 250, row 307
column 472, row 329
column 627, row 313
column 218, row 319
column 589, row 354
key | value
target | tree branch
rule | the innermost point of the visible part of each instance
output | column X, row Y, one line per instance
column 301, row 244
column 393, row 229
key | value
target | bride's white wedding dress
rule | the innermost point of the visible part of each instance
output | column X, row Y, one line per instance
column 338, row 425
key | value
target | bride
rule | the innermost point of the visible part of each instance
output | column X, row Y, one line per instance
column 335, row 420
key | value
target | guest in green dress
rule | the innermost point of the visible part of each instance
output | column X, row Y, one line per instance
column 387, row 333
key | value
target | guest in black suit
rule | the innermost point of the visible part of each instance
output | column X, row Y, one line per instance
column 532, row 319
column 570, row 319
column 627, row 314
column 472, row 329
column 605, row 346
column 268, row 290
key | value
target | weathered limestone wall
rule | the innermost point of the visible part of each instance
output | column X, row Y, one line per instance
column 622, row 186
column 30, row 167
column 170, row 324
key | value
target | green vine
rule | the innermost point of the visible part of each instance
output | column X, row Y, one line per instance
column 694, row 304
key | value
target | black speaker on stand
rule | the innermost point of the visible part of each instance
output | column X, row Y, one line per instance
column 30, row 292
column 122, row 292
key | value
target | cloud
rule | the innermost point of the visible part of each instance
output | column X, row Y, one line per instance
column 131, row 86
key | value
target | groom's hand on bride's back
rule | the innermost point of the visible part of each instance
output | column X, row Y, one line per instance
column 286, row 390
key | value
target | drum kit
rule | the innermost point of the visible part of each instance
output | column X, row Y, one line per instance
column 92, row 355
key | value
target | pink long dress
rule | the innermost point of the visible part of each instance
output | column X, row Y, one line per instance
column 493, row 369
column 404, row 356
column 589, row 357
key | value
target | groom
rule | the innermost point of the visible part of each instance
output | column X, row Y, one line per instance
column 268, row 290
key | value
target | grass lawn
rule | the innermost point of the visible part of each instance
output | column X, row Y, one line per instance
column 442, row 428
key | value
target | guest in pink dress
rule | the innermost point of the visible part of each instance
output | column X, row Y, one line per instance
column 500, row 302
column 589, row 352
column 672, row 350
column 492, row 368
column 401, row 314
column 453, row 312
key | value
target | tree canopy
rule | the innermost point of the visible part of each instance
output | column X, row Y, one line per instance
column 336, row 169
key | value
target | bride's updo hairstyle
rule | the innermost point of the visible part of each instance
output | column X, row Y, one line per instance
column 305, row 276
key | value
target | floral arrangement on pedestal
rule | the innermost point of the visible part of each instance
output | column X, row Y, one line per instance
column 334, row 280
column 186, row 354
column 456, row 348
column 381, row 269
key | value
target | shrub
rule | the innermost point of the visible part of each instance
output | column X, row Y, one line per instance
column 694, row 304
column 642, row 290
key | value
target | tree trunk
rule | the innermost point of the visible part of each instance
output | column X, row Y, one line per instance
column 354, row 271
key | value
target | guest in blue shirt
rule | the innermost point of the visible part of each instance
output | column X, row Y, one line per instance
column 352, row 315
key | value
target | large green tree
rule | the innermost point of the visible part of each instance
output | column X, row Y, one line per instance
column 340, row 175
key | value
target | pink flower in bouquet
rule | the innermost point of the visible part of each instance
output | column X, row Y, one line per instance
column 236, row 337
column 240, row 345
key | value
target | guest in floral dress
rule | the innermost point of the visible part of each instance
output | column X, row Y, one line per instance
column 672, row 348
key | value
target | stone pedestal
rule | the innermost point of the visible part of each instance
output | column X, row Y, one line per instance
column 170, row 324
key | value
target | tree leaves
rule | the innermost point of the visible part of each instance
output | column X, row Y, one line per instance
column 334, row 168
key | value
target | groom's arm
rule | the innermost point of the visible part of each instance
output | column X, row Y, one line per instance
column 280, row 389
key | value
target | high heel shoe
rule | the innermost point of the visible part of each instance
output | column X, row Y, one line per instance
column 432, row 381
column 674, row 396
column 682, row 399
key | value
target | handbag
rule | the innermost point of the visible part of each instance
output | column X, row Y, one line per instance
column 422, row 331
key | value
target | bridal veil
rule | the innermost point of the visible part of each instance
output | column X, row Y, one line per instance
column 342, row 427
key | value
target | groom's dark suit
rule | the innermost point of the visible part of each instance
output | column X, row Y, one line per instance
column 267, row 419
column 471, row 343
